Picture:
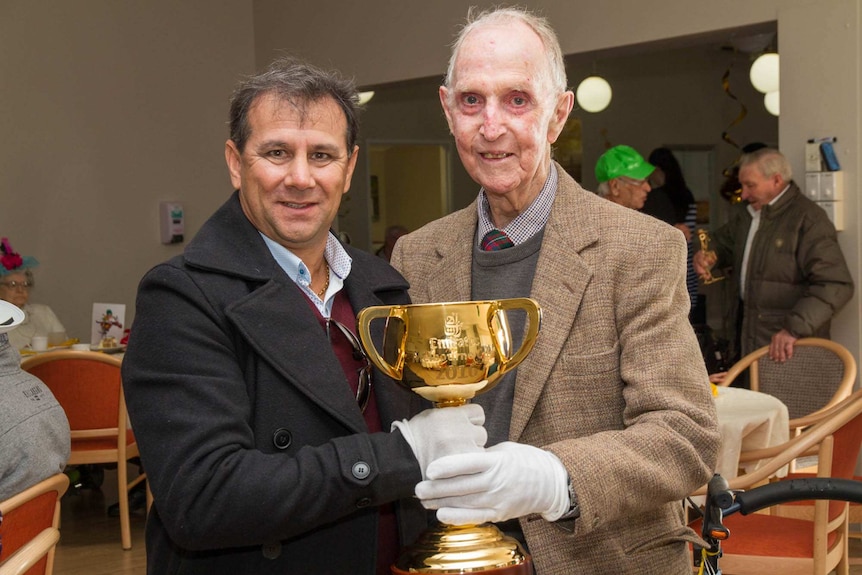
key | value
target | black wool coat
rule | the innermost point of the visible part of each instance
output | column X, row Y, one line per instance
column 247, row 430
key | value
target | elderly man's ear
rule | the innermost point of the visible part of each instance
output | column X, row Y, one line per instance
column 563, row 108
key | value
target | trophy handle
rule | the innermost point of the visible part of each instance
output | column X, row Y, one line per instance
column 363, row 323
column 534, row 315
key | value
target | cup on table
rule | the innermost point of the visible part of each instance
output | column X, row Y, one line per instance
column 56, row 338
column 39, row 343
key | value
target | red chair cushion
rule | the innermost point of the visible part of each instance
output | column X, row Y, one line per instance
column 768, row 535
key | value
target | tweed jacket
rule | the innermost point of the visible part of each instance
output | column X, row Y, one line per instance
column 615, row 386
column 258, row 456
column 797, row 277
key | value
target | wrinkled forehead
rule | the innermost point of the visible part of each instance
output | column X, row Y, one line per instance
column 751, row 172
column 14, row 276
column 502, row 51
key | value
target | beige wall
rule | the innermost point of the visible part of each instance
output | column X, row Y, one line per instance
column 107, row 108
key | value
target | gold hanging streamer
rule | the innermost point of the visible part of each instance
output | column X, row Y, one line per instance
column 732, row 195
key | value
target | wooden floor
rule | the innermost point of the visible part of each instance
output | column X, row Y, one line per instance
column 90, row 540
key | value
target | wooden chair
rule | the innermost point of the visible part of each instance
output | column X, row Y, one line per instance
column 30, row 528
column 88, row 386
column 762, row 543
column 820, row 375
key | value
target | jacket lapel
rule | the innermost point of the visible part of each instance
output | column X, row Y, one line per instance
column 449, row 279
column 276, row 320
column 281, row 328
column 559, row 284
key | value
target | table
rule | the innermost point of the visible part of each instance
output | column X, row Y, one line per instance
column 748, row 420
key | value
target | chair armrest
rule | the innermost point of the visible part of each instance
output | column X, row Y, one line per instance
column 31, row 553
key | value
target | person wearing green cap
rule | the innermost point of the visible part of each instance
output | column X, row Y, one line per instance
column 622, row 175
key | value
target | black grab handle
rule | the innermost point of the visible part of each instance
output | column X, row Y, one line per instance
column 799, row 490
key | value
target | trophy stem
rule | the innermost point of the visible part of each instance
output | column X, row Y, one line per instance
column 451, row 402
column 464, row 549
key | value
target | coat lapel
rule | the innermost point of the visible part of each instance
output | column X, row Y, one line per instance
column 559, row 284
column 276, row 319
column 449, row 279
column 278, row 324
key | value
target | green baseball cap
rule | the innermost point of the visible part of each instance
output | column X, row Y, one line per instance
column 622, row 161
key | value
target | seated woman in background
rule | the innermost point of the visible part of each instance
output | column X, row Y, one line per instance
column 16, row 281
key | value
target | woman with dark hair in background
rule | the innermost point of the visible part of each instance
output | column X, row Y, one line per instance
column 671, row 201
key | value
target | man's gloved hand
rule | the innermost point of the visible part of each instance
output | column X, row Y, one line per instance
column 442, row 431
column 505, row 481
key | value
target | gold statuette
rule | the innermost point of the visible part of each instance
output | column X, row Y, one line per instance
column 710, row 256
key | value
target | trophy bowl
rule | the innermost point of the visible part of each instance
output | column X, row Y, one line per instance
column 448, row 353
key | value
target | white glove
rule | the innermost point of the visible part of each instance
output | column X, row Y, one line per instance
column 441, row 431
column 505, row 481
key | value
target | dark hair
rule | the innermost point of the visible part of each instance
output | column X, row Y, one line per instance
column 298, row 84
column 674, row 181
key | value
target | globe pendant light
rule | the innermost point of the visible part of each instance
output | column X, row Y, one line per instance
column 594, row 94
column 770, row 100
column 764, row 73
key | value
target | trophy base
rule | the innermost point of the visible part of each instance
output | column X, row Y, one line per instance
column 464, row 549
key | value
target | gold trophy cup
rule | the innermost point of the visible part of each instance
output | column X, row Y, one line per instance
column 448, row 353
column 707, row 278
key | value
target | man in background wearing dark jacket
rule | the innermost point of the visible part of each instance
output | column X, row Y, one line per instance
column 789, row 270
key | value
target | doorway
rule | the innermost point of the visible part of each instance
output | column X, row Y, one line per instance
column 409, row 185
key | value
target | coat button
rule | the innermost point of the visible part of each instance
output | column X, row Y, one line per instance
column 282, row 438
column 364, row 502
column 272, row 550
column 361, row 470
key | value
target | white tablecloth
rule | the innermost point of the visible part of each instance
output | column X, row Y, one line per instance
column 748, row 420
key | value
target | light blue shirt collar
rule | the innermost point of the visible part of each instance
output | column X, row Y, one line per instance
column 339, row 268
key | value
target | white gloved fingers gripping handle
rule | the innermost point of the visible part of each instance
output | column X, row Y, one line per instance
column 438, row 432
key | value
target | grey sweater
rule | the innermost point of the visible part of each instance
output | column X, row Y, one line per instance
column 497, row 275
column 34, row 431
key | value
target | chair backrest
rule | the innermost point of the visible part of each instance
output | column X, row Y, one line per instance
column 89, row 388
column 30, row 516
column 820, row 374
column 846, row 443
column 836, row 438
